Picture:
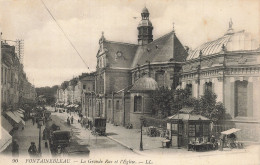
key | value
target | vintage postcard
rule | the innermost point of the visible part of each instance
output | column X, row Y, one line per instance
column 130, row 82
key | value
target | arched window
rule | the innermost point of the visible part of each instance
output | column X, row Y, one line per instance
column 189, row 88
column 137, row 104
column 159, row 77
column 109, row 103
column 117, row 105
column 241, row 98
column 208, row 87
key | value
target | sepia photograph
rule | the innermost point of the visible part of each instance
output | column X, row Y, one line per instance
column 130, row 82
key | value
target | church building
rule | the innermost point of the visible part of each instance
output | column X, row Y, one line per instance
column 126, row 74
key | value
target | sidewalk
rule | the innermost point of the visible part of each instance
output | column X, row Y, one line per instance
column 130, row 138
column 28, row 135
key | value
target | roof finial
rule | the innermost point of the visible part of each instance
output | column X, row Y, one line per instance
column 173, row 27
column 230, row 29
column 230, row 23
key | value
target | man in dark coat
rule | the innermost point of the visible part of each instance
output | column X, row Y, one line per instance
column 15, row 149
column 32, row 150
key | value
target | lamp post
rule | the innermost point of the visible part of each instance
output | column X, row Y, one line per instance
column 141, row 140
column 40, row 123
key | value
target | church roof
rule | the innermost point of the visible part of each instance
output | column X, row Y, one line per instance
column 232, row 42
column 145, row 84
column 160, row 50
column 145, row 10
column 119, row 54
column 145, row 22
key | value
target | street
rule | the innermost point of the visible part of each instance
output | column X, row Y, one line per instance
column 98, row 145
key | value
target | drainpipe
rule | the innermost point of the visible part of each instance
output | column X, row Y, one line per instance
column 224, row 69
column 199, row 73
column 112, row 107
column 92, row 104
column 124, row 107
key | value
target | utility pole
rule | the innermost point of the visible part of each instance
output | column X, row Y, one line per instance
column 1, row 72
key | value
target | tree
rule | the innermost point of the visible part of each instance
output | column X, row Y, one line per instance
column 209, row 107
column 162, row 100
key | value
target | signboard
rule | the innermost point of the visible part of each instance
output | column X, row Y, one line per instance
column 191, row 130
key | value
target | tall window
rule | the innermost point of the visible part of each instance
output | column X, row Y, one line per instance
column 159, row 77
column 241, row 98
column 137, row 104
column 189, row 89
column 2, row 74
column 109, row 103
column 208, row 86
column 5, row 75
column 117, row 105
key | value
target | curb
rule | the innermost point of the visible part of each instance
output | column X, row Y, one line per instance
column 130, row 148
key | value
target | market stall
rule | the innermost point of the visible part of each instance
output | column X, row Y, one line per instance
column 185, row 128
column 228, row 139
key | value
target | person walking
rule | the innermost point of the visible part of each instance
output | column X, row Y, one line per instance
column 15, row 149
column 33, row 120
column 68, row 121
column 71, row 119
column 32, row 150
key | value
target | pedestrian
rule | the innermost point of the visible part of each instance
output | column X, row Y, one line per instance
column 44, row 134
column 33, row 120
column 68, row 121
column 32, row 150
column 71, row 119
column 15, row 149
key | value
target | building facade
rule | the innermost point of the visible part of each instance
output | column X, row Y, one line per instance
column 229, row 67
column 16, row 89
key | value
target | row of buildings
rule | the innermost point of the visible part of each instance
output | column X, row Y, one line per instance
column 17, row 94
column 72, row 92
column 16, row 89
column 126, row 74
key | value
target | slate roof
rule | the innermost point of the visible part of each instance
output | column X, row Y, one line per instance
column 232, row 41
column 128, row 51
column 160, row 50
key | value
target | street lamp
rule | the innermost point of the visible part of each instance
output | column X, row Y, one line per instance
column 40, row 123
column 141, row 140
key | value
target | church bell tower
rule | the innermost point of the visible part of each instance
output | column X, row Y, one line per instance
column 145, row 28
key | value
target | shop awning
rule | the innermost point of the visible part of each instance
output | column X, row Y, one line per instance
column 5, row 139
column 14, row 117
column 21, row 110
column 17, row 113
column 5, row 124
column 76, row 106
column 230, row 131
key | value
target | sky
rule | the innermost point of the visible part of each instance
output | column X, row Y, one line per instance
column 49, row 59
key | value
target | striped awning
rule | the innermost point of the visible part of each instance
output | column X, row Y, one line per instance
column 15, row 118
column 18, row 113
column 5, row 124
column 5, row 139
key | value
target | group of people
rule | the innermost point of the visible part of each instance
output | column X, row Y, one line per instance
column 70, row 120
column 32, row 149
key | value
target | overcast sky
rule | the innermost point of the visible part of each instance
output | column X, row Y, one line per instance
column 49, row 59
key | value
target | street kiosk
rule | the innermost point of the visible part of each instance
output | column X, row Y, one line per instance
column 185, row 128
